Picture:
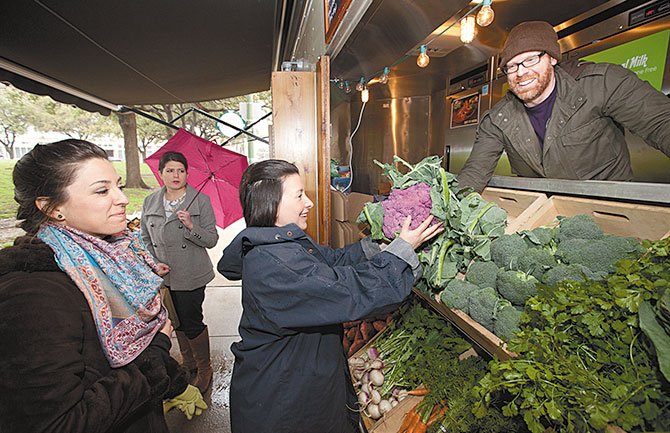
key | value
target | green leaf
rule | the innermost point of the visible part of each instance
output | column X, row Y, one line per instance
column 657, row 335
column 552, row 410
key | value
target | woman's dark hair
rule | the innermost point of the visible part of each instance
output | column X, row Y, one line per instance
column 172, row 156
column 261, row 191
column 46, row 171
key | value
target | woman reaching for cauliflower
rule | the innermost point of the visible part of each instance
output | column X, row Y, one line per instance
column 290, row 372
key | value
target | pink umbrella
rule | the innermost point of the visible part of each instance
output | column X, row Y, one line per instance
column 212, row 170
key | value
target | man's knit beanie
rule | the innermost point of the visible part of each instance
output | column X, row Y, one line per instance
column 531, row 36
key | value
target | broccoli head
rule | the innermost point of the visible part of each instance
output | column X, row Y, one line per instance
column 579, row 227
column 482, row 305
column 506, row 250
column 483, row 274
column 506, row 321
column 516, row 286
column 564, row 272
column 539, row 237
column 600, row 255
column 457, row 294
column 536, row 261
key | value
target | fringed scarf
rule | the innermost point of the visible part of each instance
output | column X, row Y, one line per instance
column 115, row 275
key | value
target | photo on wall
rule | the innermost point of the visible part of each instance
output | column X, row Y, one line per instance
column 465, row 111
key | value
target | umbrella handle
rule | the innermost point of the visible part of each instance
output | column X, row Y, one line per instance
column 199, row 191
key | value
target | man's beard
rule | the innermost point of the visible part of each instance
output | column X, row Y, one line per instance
column 532, row 92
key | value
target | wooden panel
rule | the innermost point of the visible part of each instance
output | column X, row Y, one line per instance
column 515, row 203
column 295, row 132
column 323, row 152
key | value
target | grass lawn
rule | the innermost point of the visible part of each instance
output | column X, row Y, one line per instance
column 8, row 206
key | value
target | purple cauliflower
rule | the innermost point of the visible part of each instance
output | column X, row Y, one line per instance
column 414, row 201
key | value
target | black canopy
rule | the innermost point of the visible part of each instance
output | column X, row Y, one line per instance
column 130, row 52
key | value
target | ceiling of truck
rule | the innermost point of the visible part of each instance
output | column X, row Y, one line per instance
column 139, row 52
column 390, row 29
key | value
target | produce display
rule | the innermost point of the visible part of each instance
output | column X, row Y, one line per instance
column 585, row 314
column 586, row 355
column 419, row 355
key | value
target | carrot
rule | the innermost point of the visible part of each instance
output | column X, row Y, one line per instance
column 365, row 330
column 439, row 414
column 418, row 391
column 346, row 344
column 379, row 325
column 351, row 334
column 410, row 419
column 357, row 344
column 414, row 422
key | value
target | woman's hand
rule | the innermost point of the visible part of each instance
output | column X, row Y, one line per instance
column 185, row 219
column 162, row 269
column 420, row 234
column 167, row 329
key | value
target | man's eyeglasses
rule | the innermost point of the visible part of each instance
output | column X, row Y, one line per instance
column 527, row 63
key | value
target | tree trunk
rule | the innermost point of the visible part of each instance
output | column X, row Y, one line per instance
column 128, row 125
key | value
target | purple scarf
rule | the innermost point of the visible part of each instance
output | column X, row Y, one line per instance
column 117, row 280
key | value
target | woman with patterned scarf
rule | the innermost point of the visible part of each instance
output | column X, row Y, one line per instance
column 84, row 337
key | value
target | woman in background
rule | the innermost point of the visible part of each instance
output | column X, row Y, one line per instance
column 84, row 339
column 290, row 373
column 178, row 225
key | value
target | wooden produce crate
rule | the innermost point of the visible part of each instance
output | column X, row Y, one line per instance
column 486, row 339
column 515, row 202
column 616, row 218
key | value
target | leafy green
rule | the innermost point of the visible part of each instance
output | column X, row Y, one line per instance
column 583, row 361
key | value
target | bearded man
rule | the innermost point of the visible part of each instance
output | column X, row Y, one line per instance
column 564, row 121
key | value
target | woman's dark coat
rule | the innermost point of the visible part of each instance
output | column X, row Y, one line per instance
column 290, row 373
column 54, row 376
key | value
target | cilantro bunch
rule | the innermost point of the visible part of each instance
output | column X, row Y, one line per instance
column 470, row 221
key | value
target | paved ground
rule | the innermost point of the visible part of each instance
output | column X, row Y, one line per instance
column 222, row 314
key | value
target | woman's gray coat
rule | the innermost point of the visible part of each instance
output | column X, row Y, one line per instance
column 185, row 251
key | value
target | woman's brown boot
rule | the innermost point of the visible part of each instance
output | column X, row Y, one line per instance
column 201, row 353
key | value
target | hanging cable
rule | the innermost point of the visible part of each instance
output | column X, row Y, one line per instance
column 351, row 147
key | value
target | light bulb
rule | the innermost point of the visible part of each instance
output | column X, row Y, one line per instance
column 360, row 85
column 485, row 15
column 468, row 29
column 365, row 95
column 347, row 87
column 384, row 77
column 423, row 59
column 340, row 84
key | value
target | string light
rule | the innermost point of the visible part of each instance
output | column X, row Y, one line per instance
column 468, row 29
column 360, row 85
column 423, row 59
column 365, row 94
column 468, row 22
column 485, row 15
column 384, row 77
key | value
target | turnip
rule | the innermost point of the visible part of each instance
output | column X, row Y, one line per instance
column 376, row 377
column 365, row 388
column 385, row 406
column 373, row 411
column 377, row 364
column 363, row 398
column 373, row 353
column 358, row 374
column 365, row 378
column 375, row 396
column 356, row 362
column 394, row 402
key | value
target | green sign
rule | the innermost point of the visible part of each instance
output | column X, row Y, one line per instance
column 645, row 56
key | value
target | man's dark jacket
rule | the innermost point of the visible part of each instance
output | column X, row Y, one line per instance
column 584, row 137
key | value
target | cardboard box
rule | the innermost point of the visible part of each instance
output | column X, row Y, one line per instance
column 616, row 218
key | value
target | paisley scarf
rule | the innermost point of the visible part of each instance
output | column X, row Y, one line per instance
column 115, row 275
